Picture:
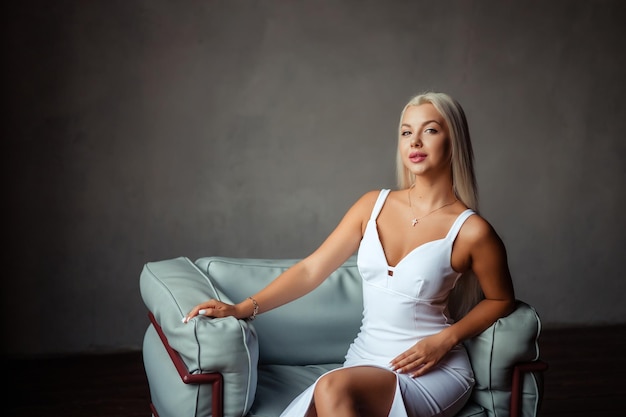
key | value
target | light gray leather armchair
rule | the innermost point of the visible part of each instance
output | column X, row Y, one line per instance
column 229, row 367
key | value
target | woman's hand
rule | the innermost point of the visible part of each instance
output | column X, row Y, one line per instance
column 422, row 356
column 211, row 308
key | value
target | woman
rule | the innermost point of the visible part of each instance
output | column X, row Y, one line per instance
column 414, row 244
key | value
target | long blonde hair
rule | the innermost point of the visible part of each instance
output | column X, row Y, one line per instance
column 467, row 292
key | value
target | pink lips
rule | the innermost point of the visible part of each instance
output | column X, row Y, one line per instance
column 417, row 157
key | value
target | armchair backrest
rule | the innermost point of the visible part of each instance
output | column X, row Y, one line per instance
column 317, row 328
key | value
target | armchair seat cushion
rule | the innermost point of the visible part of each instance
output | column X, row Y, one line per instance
column 279, row 384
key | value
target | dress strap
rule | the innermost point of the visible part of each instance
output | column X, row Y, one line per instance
column 456, row 226
column 379, row 203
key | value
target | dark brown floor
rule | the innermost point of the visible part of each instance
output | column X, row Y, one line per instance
column 587, row 377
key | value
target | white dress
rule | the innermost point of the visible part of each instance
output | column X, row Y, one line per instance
column 402, row 305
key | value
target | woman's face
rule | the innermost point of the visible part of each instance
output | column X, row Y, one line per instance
column 424, row 142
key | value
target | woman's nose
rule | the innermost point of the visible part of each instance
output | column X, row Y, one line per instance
column 416, row 142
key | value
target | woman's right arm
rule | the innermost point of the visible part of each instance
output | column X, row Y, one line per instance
column 305, row 275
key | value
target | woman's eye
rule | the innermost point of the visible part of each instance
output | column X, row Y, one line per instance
column 405, row 133
column 430, row 130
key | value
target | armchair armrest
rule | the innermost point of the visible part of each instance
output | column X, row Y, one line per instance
column 506, row 364
column 196, row 350
column 214, row 378
column 517, row 383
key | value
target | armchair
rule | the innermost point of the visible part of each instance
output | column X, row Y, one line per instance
column 229, row 367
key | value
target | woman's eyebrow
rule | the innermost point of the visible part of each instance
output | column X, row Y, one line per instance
column 422, row 124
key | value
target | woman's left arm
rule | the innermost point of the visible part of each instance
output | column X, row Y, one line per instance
column 483, row 252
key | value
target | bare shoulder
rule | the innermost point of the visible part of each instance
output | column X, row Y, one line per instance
column 370, row 196
column 367, row 200
column 476, row 230
column 478, row 247
column 362, row 208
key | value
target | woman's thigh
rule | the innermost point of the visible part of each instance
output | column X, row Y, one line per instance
column 367, row 389
column 441, row 392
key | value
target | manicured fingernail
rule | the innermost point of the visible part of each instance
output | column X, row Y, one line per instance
column 203, row 312
column 184, row 320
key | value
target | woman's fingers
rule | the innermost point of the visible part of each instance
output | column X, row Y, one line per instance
column 204, row 309
column 422, row 369
column 409, row 363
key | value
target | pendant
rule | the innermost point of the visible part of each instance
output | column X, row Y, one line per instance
column 414, row 222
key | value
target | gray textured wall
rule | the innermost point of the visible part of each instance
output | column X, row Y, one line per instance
column 145, row 130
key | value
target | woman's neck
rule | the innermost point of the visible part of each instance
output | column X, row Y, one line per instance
column 426, row 194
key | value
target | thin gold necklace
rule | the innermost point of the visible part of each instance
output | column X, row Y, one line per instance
column 417, row 219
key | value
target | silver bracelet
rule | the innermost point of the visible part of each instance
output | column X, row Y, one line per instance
column 256, row 309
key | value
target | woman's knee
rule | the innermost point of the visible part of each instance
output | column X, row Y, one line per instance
column 331, row 386
column 365, row 391
column 333, row 392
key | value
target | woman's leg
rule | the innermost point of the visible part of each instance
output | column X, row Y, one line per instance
column 363, row 391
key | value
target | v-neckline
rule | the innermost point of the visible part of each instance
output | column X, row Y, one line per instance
column 382, row 249
column 373, row 222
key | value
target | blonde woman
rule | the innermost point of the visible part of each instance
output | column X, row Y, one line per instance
column 419, row 247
